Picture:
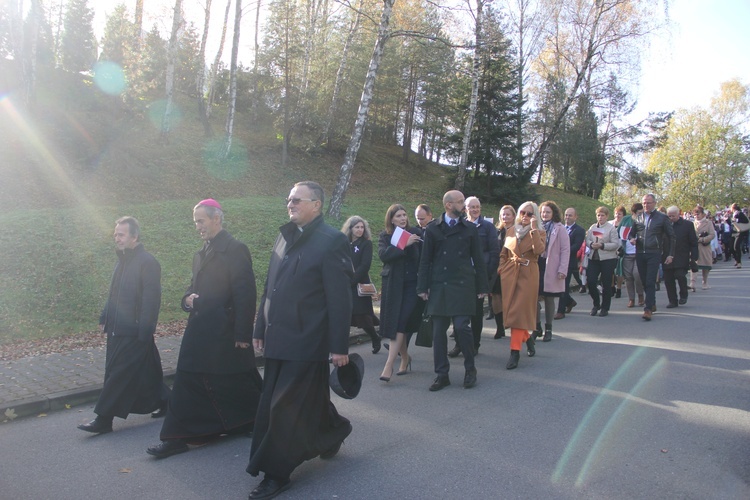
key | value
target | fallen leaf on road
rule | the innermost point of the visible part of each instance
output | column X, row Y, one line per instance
column 67, row 406
column 41, row 415
column 125, row 471
column 664, row 450
column 10, row 413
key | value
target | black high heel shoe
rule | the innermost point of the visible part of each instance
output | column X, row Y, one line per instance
column 408, row 368
column 388, row 378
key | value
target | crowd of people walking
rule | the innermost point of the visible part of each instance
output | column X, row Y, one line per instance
column 435, row 274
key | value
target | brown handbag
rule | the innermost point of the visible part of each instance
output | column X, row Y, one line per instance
column 366, row 290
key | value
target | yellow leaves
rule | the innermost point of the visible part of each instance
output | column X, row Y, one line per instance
column 125, row 470
column 10, row 414
column 67, row 406
column 41, row 415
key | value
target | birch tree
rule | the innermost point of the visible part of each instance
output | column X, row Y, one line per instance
column 345, row 173
column 201, row 77
column 227, row 146
column 217, row 61
column 166, row 122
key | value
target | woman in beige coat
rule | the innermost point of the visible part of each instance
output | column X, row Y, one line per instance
column 705, row 231
column 519, row 278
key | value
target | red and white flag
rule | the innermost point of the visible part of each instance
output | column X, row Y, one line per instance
column 399, row 238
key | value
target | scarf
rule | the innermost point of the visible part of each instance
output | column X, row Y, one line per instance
column 548, row 229
column 522, row 231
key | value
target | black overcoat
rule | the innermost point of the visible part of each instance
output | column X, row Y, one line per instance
column 361, row 250
column 224, row 311
column 306, row 305
column 686, row 245
column 452, row 268
column 577, row 235
column 488, row 240
column 392, row 288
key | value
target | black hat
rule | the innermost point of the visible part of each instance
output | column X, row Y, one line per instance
column 346, row 381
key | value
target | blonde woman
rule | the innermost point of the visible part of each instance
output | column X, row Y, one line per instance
column 519, row 277
column 507, row 218
column 706, row 233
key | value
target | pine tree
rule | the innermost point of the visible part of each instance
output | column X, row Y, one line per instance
column 78, row 47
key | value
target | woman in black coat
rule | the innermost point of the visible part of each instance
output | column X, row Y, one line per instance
column 357, row 231
column 399, row 286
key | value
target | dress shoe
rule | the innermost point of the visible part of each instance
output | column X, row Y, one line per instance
column 453, row 353
column 388, row 378
column 168, row 448
column 570, row 306
column 376, row 343
column 97, row 426
column 671, row 305
column 594, row 311
column 560, row 316
column 332, row 451
column 682, row 302
column 641, row 301
column 161, row 412
column 470, row 379
column 647, row 315
column 405, row 370
column 603, row 313
column 618, row 293
column 531, row 347
column 513, row 360
column 631, row 303
column 439, row 383
column 269, row 488
column 499, row 334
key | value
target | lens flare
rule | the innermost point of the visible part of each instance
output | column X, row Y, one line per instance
column 109, row 77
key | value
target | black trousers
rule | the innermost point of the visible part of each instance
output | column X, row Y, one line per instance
column 565, row 298
column 464, row 339
column 604, row 269
column 674, row 276
column 477, row 322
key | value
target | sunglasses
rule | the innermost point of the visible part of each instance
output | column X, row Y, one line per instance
column 524, row 213
column 296, row 201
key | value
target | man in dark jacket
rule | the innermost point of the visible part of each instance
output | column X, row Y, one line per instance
column 685, row 257
column 217, row 386
column 491, row 256
column 132, row 372
column 452, row 275
column 652, row 232
column 576, row 234
column 303, row 322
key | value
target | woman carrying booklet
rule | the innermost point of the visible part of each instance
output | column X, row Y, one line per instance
column 399, row 248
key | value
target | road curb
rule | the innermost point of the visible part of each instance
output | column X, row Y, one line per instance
column 65, row 400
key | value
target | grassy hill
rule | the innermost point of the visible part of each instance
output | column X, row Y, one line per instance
column 79, row 161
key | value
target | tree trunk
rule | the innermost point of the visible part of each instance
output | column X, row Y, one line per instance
column 325, row 137
column 461, row 176
column 217, row 61
column 138, row 25
column 345, row 174
column 227, row 147
column 256, row 46
column 171, row 59
column 201, row 77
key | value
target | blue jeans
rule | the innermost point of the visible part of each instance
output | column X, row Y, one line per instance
column 648, row 268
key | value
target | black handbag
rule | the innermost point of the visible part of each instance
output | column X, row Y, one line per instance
column 424, row 334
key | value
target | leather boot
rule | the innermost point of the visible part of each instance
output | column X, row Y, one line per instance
column 500, row 332
column 531, row 346
column 547, row 333
column 537, row 332
column 375, row 338
column 513, row 360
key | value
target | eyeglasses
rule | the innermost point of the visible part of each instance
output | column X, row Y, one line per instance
column 523, row 213
column 295, row 201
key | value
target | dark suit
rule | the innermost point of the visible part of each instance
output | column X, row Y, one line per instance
column 305, row 313
column 491, row 253
column 453, row 272
column 576, row 234
column 217, row 386
column 685, row 255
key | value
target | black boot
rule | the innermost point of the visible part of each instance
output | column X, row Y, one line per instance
column 547, row 333
column 537, row 332
column 513, row 360
column 375, row 338
column 531, row 346
column 500, row 332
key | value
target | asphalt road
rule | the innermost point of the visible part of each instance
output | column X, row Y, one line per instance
column 613, row 408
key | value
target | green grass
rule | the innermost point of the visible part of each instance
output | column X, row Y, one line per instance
column 75, row 165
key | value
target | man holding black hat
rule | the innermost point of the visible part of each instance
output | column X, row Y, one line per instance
column 217, row 386
column 303, row 322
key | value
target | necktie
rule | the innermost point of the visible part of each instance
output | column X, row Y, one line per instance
column 569, row 229
column 452, row 222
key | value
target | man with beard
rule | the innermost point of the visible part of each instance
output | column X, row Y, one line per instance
column 303, row 322
column 132, row 372
column 217, row 386
column 452, row 276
